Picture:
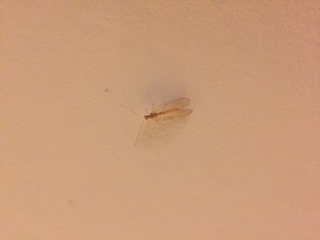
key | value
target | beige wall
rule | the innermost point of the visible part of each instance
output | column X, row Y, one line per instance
column 245, row 165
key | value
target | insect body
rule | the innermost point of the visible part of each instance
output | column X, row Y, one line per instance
column 169, row 110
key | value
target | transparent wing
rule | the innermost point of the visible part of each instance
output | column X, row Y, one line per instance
column 178, row 103
column 174, row 114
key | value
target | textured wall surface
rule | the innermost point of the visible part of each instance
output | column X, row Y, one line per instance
column 244, row 165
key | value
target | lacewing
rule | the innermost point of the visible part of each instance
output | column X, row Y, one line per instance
column 169, row 110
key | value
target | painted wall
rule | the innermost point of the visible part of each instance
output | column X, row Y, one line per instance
column 243, row 165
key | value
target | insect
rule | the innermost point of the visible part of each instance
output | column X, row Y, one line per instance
column 170, row 110
column 166, row 111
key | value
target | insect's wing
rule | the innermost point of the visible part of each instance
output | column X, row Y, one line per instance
column 174, row 114
column 178, row 103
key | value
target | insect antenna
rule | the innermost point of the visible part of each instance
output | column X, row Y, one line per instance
column 130, row 110
column 135, row 143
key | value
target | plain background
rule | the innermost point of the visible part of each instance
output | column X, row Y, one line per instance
column 246, row 163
